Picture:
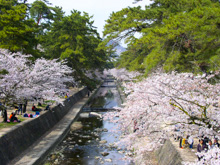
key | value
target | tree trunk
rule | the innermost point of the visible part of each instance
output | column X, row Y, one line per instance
column 5, row 116
column 4, row 111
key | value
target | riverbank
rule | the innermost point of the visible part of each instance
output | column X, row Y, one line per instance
column 5, row 127
column 30, row 132
column 169, row 153
column 39, row 150
column 121, row 92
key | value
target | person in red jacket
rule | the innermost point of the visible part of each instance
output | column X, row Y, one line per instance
column 13, row 118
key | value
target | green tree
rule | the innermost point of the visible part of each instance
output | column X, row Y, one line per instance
column 40, row 11
column 43, row 15
column 177, row 35
column 132, row 58
column 16, row 32
column 75, row 39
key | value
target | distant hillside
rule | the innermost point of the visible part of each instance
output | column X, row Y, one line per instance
column 119, row 49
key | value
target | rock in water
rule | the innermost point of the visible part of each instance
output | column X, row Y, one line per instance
column 108, row 160
column 53, row 157
column 94, row 114
column 105, row 130
column 104, row 153
column 97, row 157
column 76, row 126
column 103, row 142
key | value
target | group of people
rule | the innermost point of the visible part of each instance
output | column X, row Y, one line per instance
column 34, row 108
column 18, row 109
column 186, row 141
column 206, row 144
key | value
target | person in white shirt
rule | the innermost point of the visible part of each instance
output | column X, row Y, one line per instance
column 190, row 141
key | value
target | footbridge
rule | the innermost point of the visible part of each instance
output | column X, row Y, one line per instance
column 98, row 109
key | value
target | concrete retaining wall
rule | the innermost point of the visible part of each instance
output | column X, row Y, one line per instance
column 168, row 155
column 93, row 94
column 24, row 134
column 121, row 93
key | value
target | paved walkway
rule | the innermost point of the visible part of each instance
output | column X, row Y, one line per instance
column 187, row 154
column 36, row 153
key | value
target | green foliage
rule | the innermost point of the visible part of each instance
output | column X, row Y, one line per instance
column 40, row 11
column 16, row 32
column 179, row 35
column 42, row 30
column 3, row 72
column 74, row 39
column 132, row 59
column 22, row 25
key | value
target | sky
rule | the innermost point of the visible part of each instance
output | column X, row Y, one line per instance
column 99, row 9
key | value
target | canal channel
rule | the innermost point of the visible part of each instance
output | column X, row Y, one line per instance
column 92, row 140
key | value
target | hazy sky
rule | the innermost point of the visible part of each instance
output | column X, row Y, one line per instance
column 100, row 9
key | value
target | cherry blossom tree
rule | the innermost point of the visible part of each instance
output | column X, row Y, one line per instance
column 123, row 74
column 47, row 79
column 161, row 102
column 21, row 79
column 94, row 74
column 14, row 70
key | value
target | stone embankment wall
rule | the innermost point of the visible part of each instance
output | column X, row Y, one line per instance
column 24, row 134
column 121, row 93
column 168, row 155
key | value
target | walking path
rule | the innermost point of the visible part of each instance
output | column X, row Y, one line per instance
column 187, row 154
column 36, row 153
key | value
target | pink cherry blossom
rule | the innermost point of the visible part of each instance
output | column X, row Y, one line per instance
column 162, row 102
column 24, row 79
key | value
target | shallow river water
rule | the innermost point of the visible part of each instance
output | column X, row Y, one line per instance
column 93, row 140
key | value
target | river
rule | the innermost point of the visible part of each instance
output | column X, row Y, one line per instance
column 91, row 140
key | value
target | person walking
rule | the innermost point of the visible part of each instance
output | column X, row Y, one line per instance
column 19, row 109
column 210, row 145
column 216, row 144
column 200, row 147
column 190, row 141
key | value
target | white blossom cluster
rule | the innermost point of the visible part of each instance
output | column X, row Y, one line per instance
column 21, row 78
column 123, row 74
column 162, row 102
column 94, row 74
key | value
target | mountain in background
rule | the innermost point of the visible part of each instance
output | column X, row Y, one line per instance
column 118, row 48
